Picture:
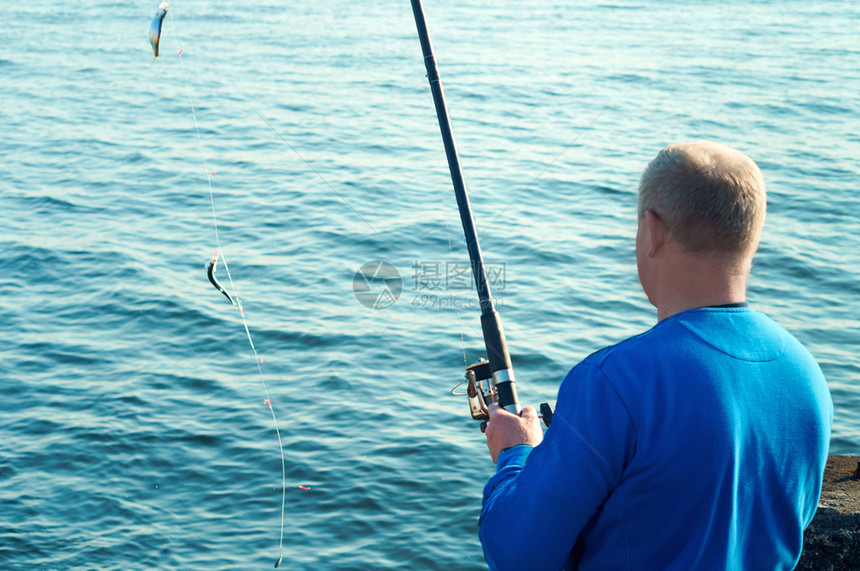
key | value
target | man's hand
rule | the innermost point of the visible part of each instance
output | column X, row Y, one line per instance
column 506, row 430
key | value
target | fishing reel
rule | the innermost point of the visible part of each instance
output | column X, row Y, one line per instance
column 482, row 392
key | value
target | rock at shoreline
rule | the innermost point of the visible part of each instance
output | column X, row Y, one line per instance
column 832, row 540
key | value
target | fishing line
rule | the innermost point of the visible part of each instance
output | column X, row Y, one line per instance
column 552, row 162
column 459, row 309
column 235, row 297
column 517, row 197
column 316, row 172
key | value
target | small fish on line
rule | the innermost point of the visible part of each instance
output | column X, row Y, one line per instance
column 211, row 273
column 155, row 27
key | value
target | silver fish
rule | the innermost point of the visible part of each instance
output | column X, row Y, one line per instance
column 155, row 26
column 210, row 271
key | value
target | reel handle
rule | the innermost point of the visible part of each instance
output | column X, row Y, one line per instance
column 546, row 413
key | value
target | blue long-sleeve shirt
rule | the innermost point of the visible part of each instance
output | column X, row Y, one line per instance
column 699, row 444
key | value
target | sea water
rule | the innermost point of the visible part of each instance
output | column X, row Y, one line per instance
column 134, row 433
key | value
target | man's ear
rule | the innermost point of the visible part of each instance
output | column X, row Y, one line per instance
column 657, row 234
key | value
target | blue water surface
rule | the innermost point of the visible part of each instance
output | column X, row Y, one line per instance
column 134, row 432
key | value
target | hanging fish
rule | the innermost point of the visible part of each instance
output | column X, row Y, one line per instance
column 155, row 26
column 211, row 273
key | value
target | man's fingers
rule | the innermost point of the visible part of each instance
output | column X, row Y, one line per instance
column 495, row 410
column 506, row 430
column 529, row 413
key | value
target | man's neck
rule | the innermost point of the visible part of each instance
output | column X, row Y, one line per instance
column 673, row 309
column 696, row 281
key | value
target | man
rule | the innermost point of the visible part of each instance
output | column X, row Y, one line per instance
column 699, row 444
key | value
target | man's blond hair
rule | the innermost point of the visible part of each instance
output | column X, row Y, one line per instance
column 710, row 197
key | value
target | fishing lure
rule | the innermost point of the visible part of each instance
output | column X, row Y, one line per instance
column 155, row 26
column 211, row 273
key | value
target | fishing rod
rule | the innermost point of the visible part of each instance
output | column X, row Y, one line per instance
column 489, row 381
